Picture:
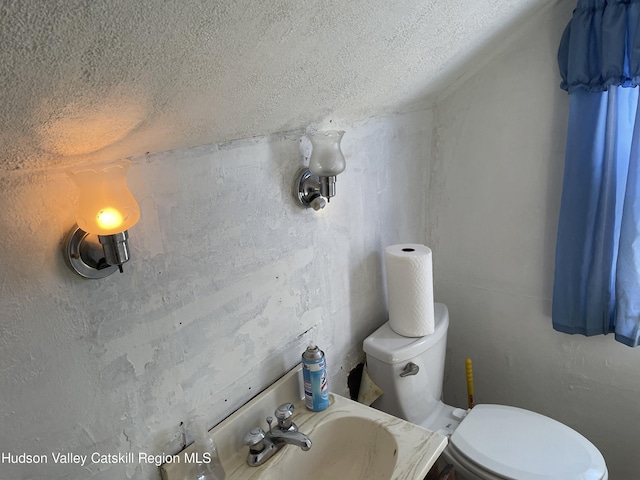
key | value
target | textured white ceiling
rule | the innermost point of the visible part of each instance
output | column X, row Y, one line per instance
column 105, row 79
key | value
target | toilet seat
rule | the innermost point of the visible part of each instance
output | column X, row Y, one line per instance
column 496, row 441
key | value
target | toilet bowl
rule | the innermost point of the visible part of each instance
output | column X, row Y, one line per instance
column 488, row 442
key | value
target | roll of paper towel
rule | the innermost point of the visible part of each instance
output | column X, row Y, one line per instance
column 410, row 289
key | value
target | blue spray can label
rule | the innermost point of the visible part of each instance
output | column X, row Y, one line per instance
column 314, row 372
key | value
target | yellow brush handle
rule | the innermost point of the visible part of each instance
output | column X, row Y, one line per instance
column 469, row 367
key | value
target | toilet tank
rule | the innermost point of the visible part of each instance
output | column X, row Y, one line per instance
column 412, row 397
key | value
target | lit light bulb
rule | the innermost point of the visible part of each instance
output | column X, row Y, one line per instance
column 109, row 218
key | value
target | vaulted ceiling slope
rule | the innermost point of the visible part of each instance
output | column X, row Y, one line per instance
column 105, row 79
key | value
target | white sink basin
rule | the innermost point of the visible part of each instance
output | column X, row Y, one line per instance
column 343, row 448
column 350, row 441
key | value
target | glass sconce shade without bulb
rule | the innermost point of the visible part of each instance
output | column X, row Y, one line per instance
column 315, row 184
column 326, row 159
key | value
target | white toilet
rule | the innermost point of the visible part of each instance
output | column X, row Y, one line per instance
column 488, row 442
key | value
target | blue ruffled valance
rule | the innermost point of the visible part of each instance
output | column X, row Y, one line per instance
column 599, row 26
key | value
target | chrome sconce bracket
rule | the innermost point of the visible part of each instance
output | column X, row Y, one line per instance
column 306, row 190
column 89, row 255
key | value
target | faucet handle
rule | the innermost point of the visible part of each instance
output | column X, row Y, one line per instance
column 253, row 437
column 284, row 413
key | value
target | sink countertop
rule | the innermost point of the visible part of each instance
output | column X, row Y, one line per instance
column 417, row 448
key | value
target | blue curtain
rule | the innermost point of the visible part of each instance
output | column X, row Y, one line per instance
column 597, row 274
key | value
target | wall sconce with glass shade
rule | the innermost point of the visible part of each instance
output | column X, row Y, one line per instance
column 315, row 184
column 97, row 246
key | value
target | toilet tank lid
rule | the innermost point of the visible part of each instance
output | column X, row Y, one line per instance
column 390, row 347
column 514, row 443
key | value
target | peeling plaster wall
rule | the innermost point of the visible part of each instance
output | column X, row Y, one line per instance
column 494, row 199
column 228, row 282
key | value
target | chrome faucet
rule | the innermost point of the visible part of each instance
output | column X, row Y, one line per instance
column 263, row 445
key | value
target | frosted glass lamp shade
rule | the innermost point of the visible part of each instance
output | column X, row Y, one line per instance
column 326, row 159
column 106, row 206
column 313, row 187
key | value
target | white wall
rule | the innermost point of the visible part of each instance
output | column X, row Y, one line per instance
column 493, row 207
column 228, row 282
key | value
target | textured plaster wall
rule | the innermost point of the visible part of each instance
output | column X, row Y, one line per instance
column 493, row 207
column 228, row 282
column 115, row 78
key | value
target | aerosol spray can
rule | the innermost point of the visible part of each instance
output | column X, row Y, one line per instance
column 314, row 371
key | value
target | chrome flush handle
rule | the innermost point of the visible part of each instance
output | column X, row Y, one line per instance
column 410, row 369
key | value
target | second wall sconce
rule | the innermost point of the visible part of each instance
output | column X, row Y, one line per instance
column 97, row 246
column 315, row 184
